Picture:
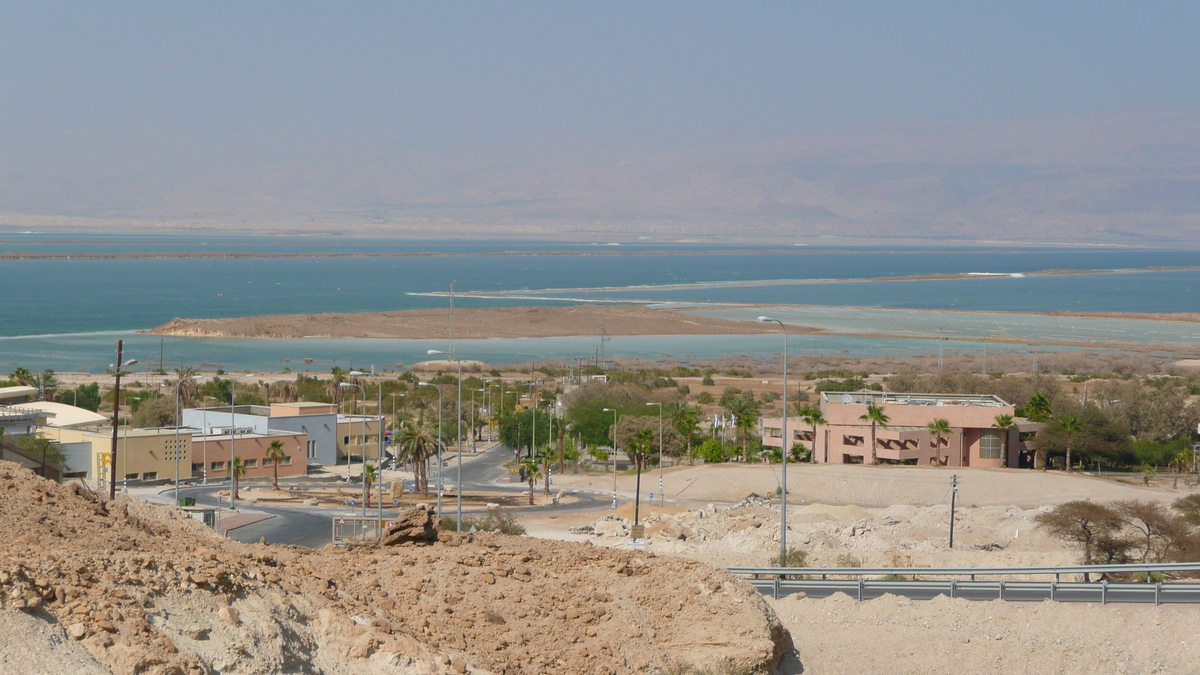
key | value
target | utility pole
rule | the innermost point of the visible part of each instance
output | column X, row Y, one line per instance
column 112, row 488
column 603, row 338
column 953, row 495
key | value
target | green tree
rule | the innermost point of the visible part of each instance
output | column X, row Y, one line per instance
column 47, row 384
column 416, row 443
column 814, row 418
column 876, row 417
column 239, row 470
column 1004, row 423
column 940, row 428
column 1069, row 425
column 745, row 414
column 1038, row 408
column 686, row 420
column 530, row 466
column 275, row 454
column 370, row 473
column 1093, row 527
column 22, row 377
column 154, row 412
column 43, row 448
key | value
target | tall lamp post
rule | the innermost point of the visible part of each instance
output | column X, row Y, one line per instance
column 614, row 455
column 120, row 368
column 459, row 488
column 379, row 450
column 439, row 446
column 661, row 494
column 233, row 435
column 178, row 413
column 347, row 385
column 786, row 445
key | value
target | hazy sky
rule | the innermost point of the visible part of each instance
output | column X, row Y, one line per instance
column 457, row 75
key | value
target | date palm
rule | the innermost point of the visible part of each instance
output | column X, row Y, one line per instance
column 877, row 418
column 940, row 428
column 275, row 454
column 814, row 418
column 1004, row 423
column 686, row 421
column 745, row 414
column 416, row 443
column 1069, row 425
column 334, row 387
column 530, row 465
column 237, row 470
column 189, row 388
column 22, row 377
column 370, row 473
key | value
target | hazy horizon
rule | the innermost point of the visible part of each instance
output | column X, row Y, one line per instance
column 764, row 122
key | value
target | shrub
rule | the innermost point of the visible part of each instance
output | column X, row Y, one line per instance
column 794, row 558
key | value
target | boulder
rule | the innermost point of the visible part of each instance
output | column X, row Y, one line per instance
column 416, row 525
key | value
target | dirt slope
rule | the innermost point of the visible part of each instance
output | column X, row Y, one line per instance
column 145, row 590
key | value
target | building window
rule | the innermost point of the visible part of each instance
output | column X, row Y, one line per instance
column 345, row 440
column 990, row 445
column 312, row 449
column 150, row 475
column 250, row 463
column 197, row 466
column 287, row 460
column 218, row 466
column 131, row 476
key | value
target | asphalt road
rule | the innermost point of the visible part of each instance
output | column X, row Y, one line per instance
column 311, row 526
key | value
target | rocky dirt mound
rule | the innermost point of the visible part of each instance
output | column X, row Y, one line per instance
column 145, row 590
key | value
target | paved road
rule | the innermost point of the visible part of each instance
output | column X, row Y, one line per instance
column 311, row 526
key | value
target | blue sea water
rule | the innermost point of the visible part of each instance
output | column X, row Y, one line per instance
column 82, row 300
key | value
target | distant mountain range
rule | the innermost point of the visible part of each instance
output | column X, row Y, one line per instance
column 1123, row 179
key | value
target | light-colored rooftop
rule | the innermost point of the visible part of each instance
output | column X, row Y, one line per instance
column 10, row 393
column 62, row 414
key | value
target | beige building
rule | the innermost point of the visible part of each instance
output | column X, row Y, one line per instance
column 845, row 438
column 356, row 435
column 142, row 454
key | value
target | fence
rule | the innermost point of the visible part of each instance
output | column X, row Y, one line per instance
column 781, row 581
column 347, row 529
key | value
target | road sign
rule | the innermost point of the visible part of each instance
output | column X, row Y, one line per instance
column 637, row 544
column 651, row 495
column 637, row 532
column 391, row 523
column 106, row 459
column 395, row 502
column 341, row 521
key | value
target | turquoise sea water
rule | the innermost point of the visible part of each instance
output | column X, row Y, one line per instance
column 81, row 301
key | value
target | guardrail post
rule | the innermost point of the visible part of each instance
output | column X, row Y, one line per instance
column 1053, row 587
column 1157, row 593
column 953, row 587
column 861, row 584
column 1104, row 592
column 775, row 588
column 1001, row 590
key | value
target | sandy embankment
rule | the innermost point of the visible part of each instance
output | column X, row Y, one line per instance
column 476, row 323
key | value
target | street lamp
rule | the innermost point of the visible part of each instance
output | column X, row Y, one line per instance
column 178, row 386
column 786, row 445
column 661, row 494
column 347, row 385
column 439, row 447
column 614, row 455
column 120, row 366
column 378, row 453
column 233, row 435
column 458, row 490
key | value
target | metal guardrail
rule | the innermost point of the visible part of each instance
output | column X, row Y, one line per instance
column 969, row 571
column 776, row 581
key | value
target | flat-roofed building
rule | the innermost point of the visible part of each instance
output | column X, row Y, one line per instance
column 845, row 437
column 212, row 453
column 319, row 422
column 143, row 455
column 63, row 415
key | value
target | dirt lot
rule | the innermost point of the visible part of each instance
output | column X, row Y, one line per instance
column 140, row 588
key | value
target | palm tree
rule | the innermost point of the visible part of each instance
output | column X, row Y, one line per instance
column 745, row 414
column 1038, row 408
column 369, row 474
column 940, row 428
column 275, row 454
column 1004, row 423
column 530, row 465
column 46, row 383
column 287, row 392
column 1069, row 425
column 22, row 377
column 189, row 388
column 415, row 443
column 813, row 417
column 876, row 417
column 686, row 421
column 238, row 470
column 639, row 451
column 334, row 387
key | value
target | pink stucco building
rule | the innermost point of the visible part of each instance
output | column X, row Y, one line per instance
column 845, row 438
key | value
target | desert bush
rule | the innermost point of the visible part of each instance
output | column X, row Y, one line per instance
column 495, row 520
